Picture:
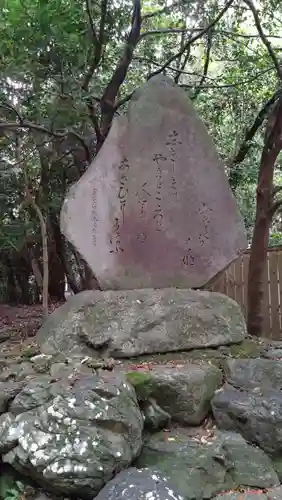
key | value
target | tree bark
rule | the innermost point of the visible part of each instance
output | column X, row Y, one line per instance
column 56, row 266
column 90, row 281
column 265, row 209
column 44, row 239
column 257, row 265
column 12, row 292
column 74, row 284
column 36, row 271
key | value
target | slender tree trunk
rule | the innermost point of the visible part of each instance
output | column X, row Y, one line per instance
column 45, row 260
column 36, row 271
column 265, row 209
column 44, row 238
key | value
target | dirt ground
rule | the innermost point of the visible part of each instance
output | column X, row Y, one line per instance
column 19, row 324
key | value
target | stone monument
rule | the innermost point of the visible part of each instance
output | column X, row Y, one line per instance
column 154, row 209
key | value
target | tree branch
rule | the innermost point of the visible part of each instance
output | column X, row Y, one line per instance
column 193, row 39
column 276, row 190
column 273, row 136
column 94, row 119
column 244, row 35
column 275, row 206
column 206, row 65
column 210, row 86
column 91, row 22
column 97, row 42
column 246, row 144
column 124, row 100
column 180, row 69
column 163, row 31
column 230, row 85
column 264, row 39
column 181, row 65
column 9, row 107
column 4, row 125
column 109, row 96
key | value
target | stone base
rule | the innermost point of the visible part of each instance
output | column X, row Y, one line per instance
column 123, row 324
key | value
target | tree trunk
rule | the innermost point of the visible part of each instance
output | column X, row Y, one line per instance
column 265, row 209
column 36, row 270
column 44, row 239
column 257, row 263
column 56, row 262
column 73, row 283
column 90, row 281
column 45, row 261
column 21, row 271
column 56, row 278
column 12, row 293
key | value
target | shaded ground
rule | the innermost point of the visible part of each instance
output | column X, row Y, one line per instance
column 19, row 324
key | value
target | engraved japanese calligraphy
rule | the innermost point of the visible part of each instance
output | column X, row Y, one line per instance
column 158, row 212
column 172, row 141
column 94, row 216
column 123, row 189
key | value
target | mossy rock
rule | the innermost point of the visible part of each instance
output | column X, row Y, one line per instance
column 142, row 383
column 29, row 351
column 277, row 464
column 246, row 349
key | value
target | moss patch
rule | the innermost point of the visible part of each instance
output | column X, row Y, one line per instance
column 142, row 383
column 247, row 349
column 277, row 464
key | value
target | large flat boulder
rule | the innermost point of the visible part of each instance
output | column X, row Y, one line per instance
column 129, row 323
column 155, row 209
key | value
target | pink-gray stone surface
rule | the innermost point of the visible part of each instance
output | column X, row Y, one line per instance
column 154, row 209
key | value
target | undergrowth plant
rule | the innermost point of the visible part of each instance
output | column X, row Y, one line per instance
column 10, row 489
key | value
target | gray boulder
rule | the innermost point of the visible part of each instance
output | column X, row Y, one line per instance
column 19, row 371
column 129, row 323
column 250, row 373
column 8, row 390
column 256, row 414
column 73, row 435
column 183, row 391
column 202, row 469
column 134, row 484
column 251, row 402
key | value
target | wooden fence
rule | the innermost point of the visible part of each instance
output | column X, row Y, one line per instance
column 234, row 281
